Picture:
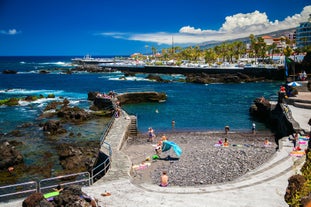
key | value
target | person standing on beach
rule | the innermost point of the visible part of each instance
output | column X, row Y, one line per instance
column 227, row 129
column 254, row 128
column 173, row 124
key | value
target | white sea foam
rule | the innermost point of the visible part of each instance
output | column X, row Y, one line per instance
column 75, row 102
column 49, row 111
column 54, row 63
column 28, row 72
column 22, row 91
column 40, row 101
column 121, row 78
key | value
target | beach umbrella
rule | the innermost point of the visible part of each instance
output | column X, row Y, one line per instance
column 294, row 84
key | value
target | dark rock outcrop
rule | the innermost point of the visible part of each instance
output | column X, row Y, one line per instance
column 92, row 95
column 9, row 156
column 274, row 118
column 70, row 196
column 92, row 69
column 44, row 72
column 36, row 200
column 75, row 158
column 260, row 109
column 102, row 104
column 156, row 78
column 74, row 114
column 53, row 127
column 141, row 97
column 9, row 72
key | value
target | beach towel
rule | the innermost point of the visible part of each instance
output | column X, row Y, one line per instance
column 302, row 142
column 297, row 153
column 141, row 166
column 51, row 195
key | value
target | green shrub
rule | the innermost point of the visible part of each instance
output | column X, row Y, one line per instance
column 51, row 96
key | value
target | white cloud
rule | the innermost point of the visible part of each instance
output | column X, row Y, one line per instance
column 9, row 32
column 238, row 25
column 192, row 30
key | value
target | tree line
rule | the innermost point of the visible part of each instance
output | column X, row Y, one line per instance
column 255, row 48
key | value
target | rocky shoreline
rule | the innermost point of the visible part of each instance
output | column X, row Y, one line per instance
column 201, row 163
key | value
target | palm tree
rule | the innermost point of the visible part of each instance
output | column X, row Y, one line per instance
column 210, row 56
column 271, row 49
column 238, row 49
column 154, row 50
column 146, row 46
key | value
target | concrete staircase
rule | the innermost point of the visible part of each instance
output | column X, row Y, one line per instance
column 133, row 126
column 302, row 100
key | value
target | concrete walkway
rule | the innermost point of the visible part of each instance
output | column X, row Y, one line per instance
column 263, row 187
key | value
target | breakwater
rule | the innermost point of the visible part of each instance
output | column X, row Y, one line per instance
column 268, row 73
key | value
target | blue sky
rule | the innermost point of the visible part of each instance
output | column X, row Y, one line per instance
column 120, row 27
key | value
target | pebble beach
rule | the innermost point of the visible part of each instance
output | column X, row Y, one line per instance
column 202, row 162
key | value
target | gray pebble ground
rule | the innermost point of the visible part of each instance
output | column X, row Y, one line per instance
column 201, row 162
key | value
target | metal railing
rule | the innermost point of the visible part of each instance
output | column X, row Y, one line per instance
column 47, row 185
column 17, row 190
column 106, row 130
column 105, row 159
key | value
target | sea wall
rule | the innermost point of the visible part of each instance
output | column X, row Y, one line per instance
column 273, row 74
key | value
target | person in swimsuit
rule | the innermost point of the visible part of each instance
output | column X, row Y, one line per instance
column 164, row 179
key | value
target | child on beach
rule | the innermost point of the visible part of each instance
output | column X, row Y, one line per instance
column 164, row 179
column 151, row 135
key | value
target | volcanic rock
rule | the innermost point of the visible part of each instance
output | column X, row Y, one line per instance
column 53, row 127
column 9, row 72
column 141, row 97
column 36, row 199
column 78, row 158
column 9, row 156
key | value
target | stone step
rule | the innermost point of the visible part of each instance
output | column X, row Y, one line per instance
column 305, row 105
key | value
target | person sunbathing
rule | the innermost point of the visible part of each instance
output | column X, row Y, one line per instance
column 226, row 143
column 266, row 142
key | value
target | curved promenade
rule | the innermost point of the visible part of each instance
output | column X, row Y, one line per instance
column 262, row 187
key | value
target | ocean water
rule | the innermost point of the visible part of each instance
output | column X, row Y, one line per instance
column 193, row 107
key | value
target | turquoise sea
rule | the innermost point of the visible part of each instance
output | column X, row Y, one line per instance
column 195, row 107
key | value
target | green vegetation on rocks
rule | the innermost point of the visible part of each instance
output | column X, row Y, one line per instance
column 9, row 101
column 51, row 96
column 302, row 192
